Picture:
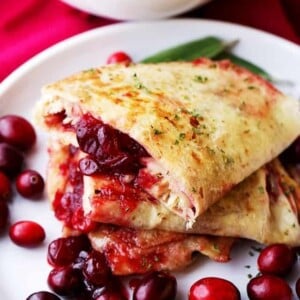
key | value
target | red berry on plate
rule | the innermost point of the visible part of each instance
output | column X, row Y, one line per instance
column 268, row 287
column 64, row 251
column 4, row 213
column 276, row 259
column 27, row 233
column 5, row 187
column 111, row 295
column 11, row 159
column 17, row 131
column 43, row 295
column 156, row 285
column 96, row 270
column 65, row 281
column 119, row 57
column 212, row 288
column 30, row 183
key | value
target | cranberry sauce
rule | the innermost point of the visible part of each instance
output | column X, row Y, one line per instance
column 110, row 151
column 68, row 206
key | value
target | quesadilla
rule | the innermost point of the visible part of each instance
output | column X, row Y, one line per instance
column 182, row 134
column 127, row 250
column 264, row 207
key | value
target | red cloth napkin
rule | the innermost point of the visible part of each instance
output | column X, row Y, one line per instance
column 280, row 17
column 30, row 26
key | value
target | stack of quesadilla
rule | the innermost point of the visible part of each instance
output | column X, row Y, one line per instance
column 160, row 161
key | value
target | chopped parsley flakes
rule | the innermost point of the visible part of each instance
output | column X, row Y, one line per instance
column 181, row 136
column 138, row 84
column 156, row 131
column 201, row 79
column 261, row 189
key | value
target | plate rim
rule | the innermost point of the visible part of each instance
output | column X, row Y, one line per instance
column 32, row 62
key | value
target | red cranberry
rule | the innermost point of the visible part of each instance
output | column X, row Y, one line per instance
column 111, row 295
column 65, row 281
column 156, row 285
column 114, row 290
column 268, row 287
column 5, row 187
column 96, row 270
column 4, row 213
column 88, row 166
column 119, row 57
column 64, row 251
column 30, row 183
column 110, row 150
column 17, row 131
column 27, row 233
column 211, row 288
column 42, row 296
column 11, row 159
column 78, row 264
column 96, row 138
column 277, row 259
column 297, row 288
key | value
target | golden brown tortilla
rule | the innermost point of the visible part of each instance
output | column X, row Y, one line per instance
column 207, row 125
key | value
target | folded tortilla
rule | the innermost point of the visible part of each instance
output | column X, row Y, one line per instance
column 133, row 251
column 264, row 207
column 206, row 126
column 127, row 250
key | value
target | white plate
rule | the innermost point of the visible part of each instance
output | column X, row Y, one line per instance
column 23, row 271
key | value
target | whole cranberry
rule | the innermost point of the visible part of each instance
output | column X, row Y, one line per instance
column 96, row 138
column 276, row 259
column 156, row 285
column 43, row 295
column 114, row 290
column 96, row 270
column 78, row 264
column 26, row 233
column 297, row 288
column 88, row 166
column 119, row 57
column 65, row 281
column 111, row 295
column 5, row 187
column 64, row 251
column 108, row 149
column 268, row 287
column 17, row 131
column 30, row 183
column 11, row 159
column 211, row 288
column 4, row 213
